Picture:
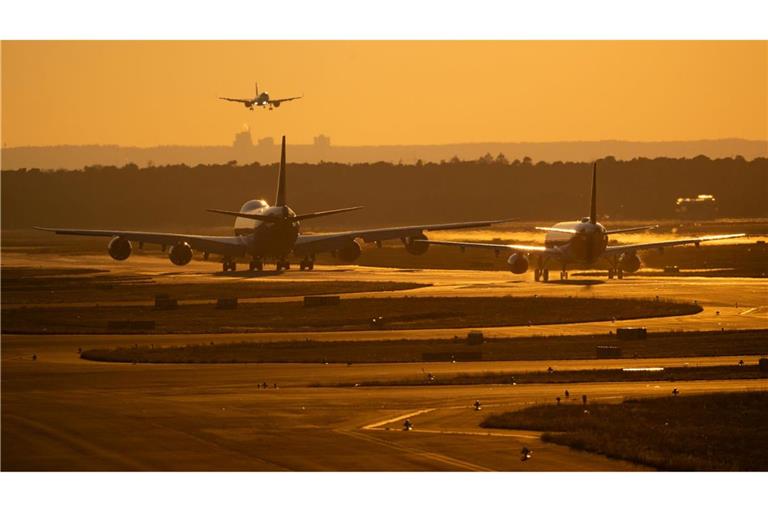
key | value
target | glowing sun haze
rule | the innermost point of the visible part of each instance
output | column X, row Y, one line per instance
column 149, row 93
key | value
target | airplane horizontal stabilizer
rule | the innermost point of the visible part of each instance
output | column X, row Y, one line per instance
column 628, row 230
column 558, row 230
column 270, row 218
column 245, row 215
column 324, row 213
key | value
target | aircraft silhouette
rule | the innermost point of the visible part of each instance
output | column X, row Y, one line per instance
column 264, row 232
column 582, row 242
column 261, row 100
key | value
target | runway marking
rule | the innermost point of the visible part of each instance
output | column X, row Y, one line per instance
column 377, row 425
column 759, row 311
column 473, row 433
column 391, row 420
column 468, row 466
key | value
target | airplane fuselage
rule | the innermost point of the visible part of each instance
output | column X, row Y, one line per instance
column 585, row 246
column 267, row 239
column 262, row 100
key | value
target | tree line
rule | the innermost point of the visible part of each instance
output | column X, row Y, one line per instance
column 453, row 190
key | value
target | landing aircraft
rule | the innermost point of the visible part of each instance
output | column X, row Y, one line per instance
column 269, row 232
column 261, row 100
column 583, row 243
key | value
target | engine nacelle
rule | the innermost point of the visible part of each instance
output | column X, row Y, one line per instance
column 180, row 254
column 119, row 248
column 629, row 262
column 518, row 264
column 350, row 252
column 276, row 104
column 414, row 247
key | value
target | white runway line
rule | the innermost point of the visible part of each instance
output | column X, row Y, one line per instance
column 473, row 433
column 444, row 459
column 392, row 420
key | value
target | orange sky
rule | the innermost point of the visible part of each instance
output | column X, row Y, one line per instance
column 150, row 93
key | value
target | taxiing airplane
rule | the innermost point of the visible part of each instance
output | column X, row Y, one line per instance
column 261, row 100
column 582, row 243
column 264, row 232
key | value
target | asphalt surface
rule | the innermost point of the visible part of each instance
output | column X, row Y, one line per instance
column 62, row 413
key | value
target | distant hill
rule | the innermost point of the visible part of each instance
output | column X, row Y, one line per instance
column 266, row 151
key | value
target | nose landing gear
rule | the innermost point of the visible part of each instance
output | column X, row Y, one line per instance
column 307, row 264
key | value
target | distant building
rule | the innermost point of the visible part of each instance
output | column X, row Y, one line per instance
column 703, row 206
column 266, row 142
column 322, row 141
column 243, row 139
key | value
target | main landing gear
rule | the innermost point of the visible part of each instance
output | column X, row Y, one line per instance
column 256, row 264
column 307, row 264
column 541, row 274
column 615, row 272
column 283, row 265
column 563, row 275
column 228, row 266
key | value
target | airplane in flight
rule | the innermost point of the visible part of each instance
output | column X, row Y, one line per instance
column 583, row 243
column 261, row 100
column 263, row 232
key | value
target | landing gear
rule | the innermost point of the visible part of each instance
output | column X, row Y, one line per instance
column 283, row 265
column 615, row 272
column 541, row 273
column 307, row 264
column 256, row 264
column 563, row 275
column 228, row 266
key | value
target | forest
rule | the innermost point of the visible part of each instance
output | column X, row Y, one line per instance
column 487, row 188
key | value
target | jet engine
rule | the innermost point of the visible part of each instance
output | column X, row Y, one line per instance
column 414, row 247
column 518, row 263
column 350, row 252
column 276, row 104
column 119, row 248
column 180, row 254
column 629, row 262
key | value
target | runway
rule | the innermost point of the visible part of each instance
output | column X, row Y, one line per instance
column 187, row 417
column 64, row 413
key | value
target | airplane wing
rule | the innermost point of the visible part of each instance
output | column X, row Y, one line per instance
column 225, row 245
column 326, row 242
column 617, row 249
column 280, row 100
column 495, row 247
column 236, row 99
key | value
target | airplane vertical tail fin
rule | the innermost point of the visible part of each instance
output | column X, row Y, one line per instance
column 281, row 192
column 593, row 209
column 256, row 84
